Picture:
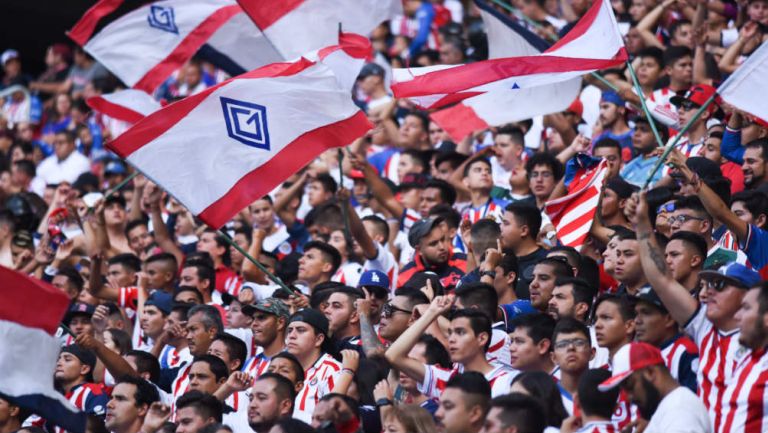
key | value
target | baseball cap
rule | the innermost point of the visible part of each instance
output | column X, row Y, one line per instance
column 371, row 69
column 612, row 97
column 376, row 280
column 115, row 197
column 630, row 358
column 576, row 107
column 647, row 294
column 312, row 317
column 621, row 187
column 356, row 174
column 85, row 356
column 698, row 94
column 115, row 167
column 8, row 55
column 272, row 306
column 703, row 167
column 733, row 273
column 162, row 300
column 517, row 308
column 421, row 228
column 23, row 239
column 76, row 309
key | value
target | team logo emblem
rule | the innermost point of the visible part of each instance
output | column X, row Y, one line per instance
column 246, row 122
column 162, row 18
column 515, row 86
column 285, row 248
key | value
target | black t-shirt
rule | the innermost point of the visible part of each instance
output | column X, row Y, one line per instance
column 525, row 274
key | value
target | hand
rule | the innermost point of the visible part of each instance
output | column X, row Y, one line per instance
column 343, row 195
column 86, row 341
column 142, row 280
column 153, row 196
column 428, row 291
column 139, row 182
column 99, row 318
column 580, row 144
column 61, row 195
column 64, row 251
column 748, row 31
column 382, row 390
column 357, row 162
column 571, row 424
column 23, row 259
column 258, row 233
column 297, row 302
column 246, row 296
column 239, row 381
column 350, row 359
column 178, row 330
column 636, row 209
column 465, row 228
column 157, row 415
column 441, row 304
column 364, row 305
column 492, row 257
column 44, row 254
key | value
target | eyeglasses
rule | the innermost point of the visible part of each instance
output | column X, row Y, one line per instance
column 669, row 207
column 683, row 218
column 577, row 343
column 388, row 310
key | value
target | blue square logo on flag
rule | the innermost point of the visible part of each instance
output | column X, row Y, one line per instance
column 246, row 122
column 162, row 18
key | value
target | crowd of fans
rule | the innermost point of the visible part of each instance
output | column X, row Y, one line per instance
column 424, row 289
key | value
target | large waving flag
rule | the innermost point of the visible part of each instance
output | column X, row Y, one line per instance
column 295, row 27
column 506, row 38
column 594, row 43
column 220, row 149
column 129, row 105
column 29, row 315
column 572, row 215
column 746, row 88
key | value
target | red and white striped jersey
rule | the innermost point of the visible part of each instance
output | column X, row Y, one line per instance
column 625, row 411
column 498, row 351
column 88, row 397
column 257, row 365
column 717, row 361
column 319, row 380
column 385, row 262
column 179, row 386
column 687, row 148
column 348, row 274
column 728, row 241
column 599, row 427
column 492, row 208
column 172, row 358
column 435, row 379
column 681, row 358
column 238, row 418
column 408, row 219
column 745, row 399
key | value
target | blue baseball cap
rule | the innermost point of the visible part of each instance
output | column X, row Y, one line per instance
column 735, row 274
column 612, row 97
column 517, row 308
column 162, row 300
column 374, row 278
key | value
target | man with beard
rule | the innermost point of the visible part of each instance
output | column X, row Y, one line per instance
column 640, row 370
column 614, row 123
column 272, row 397
column 268, row 327
column 434, row 252
column 397, row 314
column 755, row 166
column 130, row 402
column 544, row 274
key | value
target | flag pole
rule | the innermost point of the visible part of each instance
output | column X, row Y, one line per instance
column 275, row 279
column 673, row 142
column 66, row 328
column 555, row 38
column 120, row 185
column 347, row 232
column 640, row 94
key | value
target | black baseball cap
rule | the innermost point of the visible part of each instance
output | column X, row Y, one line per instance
column 422, row 228
column 85, row 356
column 312, row 317
column 371, row 69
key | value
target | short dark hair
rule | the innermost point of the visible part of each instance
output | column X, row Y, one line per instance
column 569, row 325
column 593, row 401
column 381, row 226
column 674, row 53
column 216, row 364
column 204, row 272
column 194, row 290
column 447, row 213
column 330, row 254
column 526, row 215
column 327, row 181
column 755, row 201
column 582, row 290
column 283, row 387
column 539, row 326
column 211, row 316
column 423, row 118
column 560, row 266
column 759, row 143
column 73, row 276
column 455, row 159
column 607, row 143
column 132, row 224
column 655, row 53
column 146, row 393
column 474, row 384
column 26, row 166
column 297, row 368
column 206, row 405
column 479, row 296
column 235, row 346
column 168, row 258
column 146, row 363
column 419, row 158
column 540, row 386
column 478, row 321
column 548, row 160
column 693, row 202
column 517, row 134
column 435, row 352
column 624, row 302
column 447, row 192
column 676, row 25
column 415, row 296
column 522, row 411
column 484, row 234
column 126, row 260
column 694, row 240
column 509, row 264
column 478, row 159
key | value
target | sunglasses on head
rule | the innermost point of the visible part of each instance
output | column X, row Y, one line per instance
column 669, row 207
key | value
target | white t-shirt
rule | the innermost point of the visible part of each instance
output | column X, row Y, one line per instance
column 669, row 418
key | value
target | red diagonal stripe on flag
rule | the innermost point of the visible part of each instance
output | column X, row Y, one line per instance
column 31, row 302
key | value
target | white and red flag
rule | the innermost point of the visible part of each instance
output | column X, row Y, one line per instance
column 746, row 88
column 295, row 27
column 29, row 316
column 506, row 38
column 129, row 105
column 595, row 42
column 572, row 215
column 219, row 150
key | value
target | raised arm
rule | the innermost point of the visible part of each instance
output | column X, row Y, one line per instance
column 356, row 227
column 251, row 272
column 647, row 25
column 680, row 304
column 153, row 198
column 380, row 190
column 288, row 216
column 397, row 354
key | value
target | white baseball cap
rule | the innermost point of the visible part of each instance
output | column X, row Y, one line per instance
column 9, row 55
column 630, row 358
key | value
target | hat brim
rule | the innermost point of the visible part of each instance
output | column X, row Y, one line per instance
column 614, row 381
column 714, row 274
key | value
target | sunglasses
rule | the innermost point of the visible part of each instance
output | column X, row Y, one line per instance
column 689, row 105
column 683, row 218
column 719, row 284
column 669, row 207
column 388, row 310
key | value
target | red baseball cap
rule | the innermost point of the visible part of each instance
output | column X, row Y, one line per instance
column 629, row 359
column 698, row 94
column 576, row 107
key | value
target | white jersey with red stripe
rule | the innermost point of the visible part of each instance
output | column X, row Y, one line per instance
column 385, row 262
column 319, row 380
column 170, row 357
column 728, row 241
column 599, row 427
column 435, row 379
column 257, row 365
column 348, row 274
column 745, row 408
column 625, row 412
column 179, row 386
column 498, row 351
column 237, row 420
column 718, row 352
column 491, row 209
